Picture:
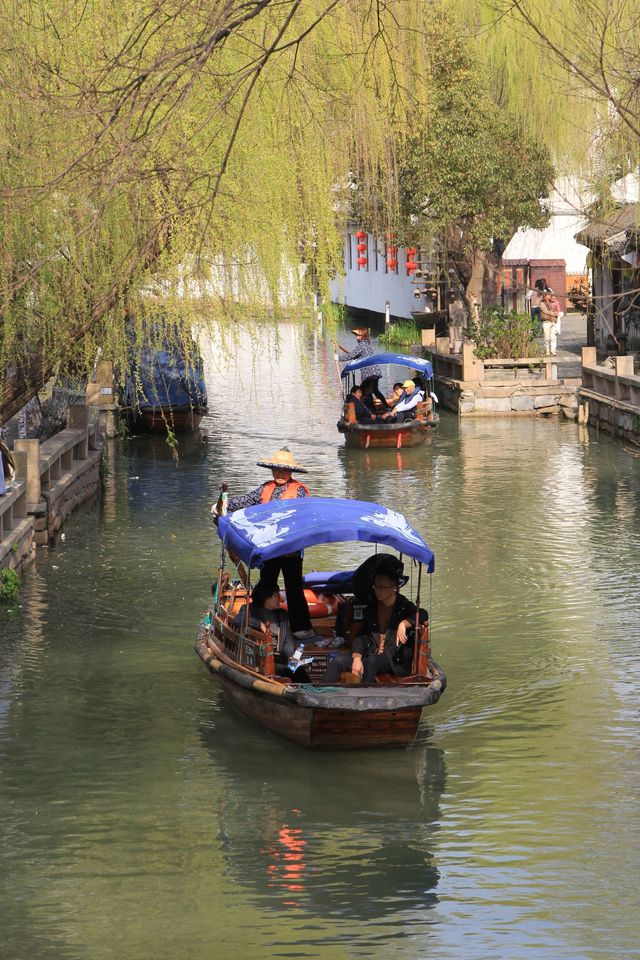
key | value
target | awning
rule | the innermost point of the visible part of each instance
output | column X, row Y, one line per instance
column 263, row 532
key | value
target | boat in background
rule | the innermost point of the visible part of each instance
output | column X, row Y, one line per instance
column 345, row 715
column 409, row 433
column 164, row 389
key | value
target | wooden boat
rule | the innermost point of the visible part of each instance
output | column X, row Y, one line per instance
column 398, row 435
column 164, row 390
column 346, row 715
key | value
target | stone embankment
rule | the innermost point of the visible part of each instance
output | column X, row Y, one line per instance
column 52, row 479
column 532, row 386
column 611, row 394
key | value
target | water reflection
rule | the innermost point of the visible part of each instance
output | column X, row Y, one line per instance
column 345, row 836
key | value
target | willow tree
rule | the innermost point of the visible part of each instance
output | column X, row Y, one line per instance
column 194, row 150
column 570, row 70
column 203, row 150
column 473, row 176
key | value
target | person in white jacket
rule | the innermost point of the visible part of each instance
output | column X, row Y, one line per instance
column 411, row 396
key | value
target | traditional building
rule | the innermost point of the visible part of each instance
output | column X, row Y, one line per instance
column 614, row 242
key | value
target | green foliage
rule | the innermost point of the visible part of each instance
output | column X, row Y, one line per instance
column 9, row 585
column 199, row 153
column 504, row 336
column 473, row 172
column 401, row 333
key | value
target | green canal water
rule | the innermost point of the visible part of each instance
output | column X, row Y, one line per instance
column 142, row 818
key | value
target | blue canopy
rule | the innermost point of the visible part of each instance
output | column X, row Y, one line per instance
column 401, row 359
column 268, row 530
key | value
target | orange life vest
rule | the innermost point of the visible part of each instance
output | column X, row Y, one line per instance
column 290, row 491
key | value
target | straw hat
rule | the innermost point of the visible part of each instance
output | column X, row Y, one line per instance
column 284, row 459
column 360, row 331
column 408, row 385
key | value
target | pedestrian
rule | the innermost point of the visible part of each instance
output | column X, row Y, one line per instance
column 555, row 306
column 534, row 296
column 549, row 325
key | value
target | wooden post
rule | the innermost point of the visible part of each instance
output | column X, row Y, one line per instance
column 268, row 662
column 31, row 449
column 421, row 652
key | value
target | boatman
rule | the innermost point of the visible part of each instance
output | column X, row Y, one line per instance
column 363, row 349
column 281, row 487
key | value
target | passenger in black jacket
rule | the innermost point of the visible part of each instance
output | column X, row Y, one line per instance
column 384, row 642
column 363, row 413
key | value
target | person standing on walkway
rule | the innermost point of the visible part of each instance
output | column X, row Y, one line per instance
column 549, row 325
column 534, row 296
column 282, row 487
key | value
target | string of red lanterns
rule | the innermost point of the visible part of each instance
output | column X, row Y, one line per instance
column 362, row 247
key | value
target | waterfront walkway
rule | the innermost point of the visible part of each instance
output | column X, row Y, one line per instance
column 572, row 338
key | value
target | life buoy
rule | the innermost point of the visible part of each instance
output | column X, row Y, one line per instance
column 320, row 604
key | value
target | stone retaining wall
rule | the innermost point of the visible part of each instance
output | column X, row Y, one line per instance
column 529, row 387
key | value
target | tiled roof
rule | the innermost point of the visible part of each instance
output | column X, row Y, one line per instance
column 604, row 229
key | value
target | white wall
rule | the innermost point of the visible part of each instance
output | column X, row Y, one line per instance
column 368, row 287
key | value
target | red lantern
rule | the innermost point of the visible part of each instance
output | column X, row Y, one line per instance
column 361, row 247
column 361, row 261
column 411, row 266
column 392, row 263
column 360, row 235
column 411, row 252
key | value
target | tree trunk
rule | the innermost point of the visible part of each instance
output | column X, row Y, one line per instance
column 473, row 292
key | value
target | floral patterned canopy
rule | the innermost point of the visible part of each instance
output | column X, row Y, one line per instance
column 260, row 533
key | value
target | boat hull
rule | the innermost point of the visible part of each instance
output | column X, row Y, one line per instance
column 390, row 436
column 345, row 718
column 157, row 419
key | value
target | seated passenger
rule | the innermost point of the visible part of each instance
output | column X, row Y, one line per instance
column 406, row 407
column 384, row 642
column 395, row 396
column 265, row 609
column 363, row 413
column 371, row 395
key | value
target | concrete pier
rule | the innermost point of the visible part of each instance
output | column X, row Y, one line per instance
column 531, row 386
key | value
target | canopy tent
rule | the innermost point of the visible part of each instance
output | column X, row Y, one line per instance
column 260, row 533
column 400, row 359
